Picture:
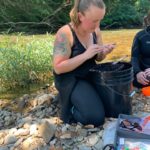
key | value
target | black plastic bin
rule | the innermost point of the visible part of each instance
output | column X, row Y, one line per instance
column 113, row 83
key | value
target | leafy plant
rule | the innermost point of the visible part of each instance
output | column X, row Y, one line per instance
column 23, row 62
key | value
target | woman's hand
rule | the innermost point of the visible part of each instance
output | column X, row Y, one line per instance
column 106, row 50
column 147, row 72
column 93, row 50
column 141, row 78
column 109, row 48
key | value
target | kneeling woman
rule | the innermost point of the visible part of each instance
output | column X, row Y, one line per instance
column 77, row 46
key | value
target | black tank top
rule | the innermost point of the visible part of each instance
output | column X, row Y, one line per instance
column 77, row 49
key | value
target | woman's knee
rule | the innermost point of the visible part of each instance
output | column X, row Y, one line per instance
column 96, row 117
column 87, row 103
column 90, row 117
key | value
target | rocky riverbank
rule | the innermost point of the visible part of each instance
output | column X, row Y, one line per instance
column 32, row 122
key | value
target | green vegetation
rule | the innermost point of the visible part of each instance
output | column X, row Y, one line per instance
column 33, row 16
column 41, row 16
column 25, row 60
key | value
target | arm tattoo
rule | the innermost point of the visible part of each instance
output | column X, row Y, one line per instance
column 61, row 45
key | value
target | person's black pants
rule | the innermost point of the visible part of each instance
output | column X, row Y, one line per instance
column 87, row 105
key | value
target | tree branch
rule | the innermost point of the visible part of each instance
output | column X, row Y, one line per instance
column 56, row 11
column 109, row 26
column 25, row 23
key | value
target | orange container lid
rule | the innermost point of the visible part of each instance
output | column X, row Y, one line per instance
column 146, row 91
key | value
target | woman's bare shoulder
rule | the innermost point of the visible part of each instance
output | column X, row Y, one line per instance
column 65, row 30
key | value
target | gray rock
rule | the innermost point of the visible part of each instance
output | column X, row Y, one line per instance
column 10, row 139
column 46, row 131
column 84, row 147
column 99, row 145
column 32, row 143
column 21, row 132
column 4, row 148
column 92, row 140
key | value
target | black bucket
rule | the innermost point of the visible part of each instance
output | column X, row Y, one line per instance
column 113, row 83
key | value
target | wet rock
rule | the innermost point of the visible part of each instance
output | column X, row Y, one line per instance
column 66, row 136
column 46, row 98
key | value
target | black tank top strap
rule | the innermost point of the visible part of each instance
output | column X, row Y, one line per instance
column 70, row 27
column 76, row 38
column 73, row 33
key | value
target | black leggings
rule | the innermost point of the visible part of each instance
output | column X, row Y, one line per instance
column 87, row 105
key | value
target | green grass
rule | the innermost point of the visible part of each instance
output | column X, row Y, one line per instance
column 24, row 60
column 123, row 39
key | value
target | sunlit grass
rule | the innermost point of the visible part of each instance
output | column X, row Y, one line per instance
column 123, row 39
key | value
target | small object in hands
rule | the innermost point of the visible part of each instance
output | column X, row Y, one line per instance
column 146, row 91
column 122, row 58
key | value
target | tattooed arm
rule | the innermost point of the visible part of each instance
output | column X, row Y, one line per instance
column 62, row 50
column 61, row 54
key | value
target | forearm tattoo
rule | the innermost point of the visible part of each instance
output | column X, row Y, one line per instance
column 61, row 45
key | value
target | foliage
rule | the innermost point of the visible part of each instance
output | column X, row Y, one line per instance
column 32, row 15
column 127, row 14
column 142, row 6
column 121, row 15
column 40, row 16
column 24, row 62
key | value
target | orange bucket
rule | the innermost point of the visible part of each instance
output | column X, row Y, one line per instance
column 146, row 91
